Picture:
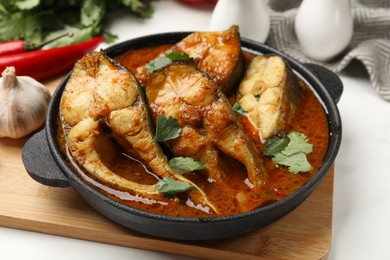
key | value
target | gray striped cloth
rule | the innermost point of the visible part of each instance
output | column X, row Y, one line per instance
column 370, row 43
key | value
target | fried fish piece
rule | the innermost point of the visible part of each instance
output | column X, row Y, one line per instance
column 269, row 93
column 208, row 123
column 218, row 54
column 102, row 93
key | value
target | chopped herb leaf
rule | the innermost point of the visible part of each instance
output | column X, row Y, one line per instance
column 169, row 187
column 275, row 144
column 296, row 162
column 257, row 97
column 92, row 12
column 298, row 143
column 185, row 164
column 166, row 129
column 157, row 63
column 177, row 56
column 290, row 151
column 163, row 61
column 238, row 108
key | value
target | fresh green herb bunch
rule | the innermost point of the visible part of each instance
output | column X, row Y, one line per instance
column 37, row 20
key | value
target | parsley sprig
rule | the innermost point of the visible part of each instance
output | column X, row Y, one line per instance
column 185, row 164
column 276, row 143
column 290, row 150
column 166, row 129
column 169, row 187
column 163, row 61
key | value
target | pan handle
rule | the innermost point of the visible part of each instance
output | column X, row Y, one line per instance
column 329, row 79
column 40, row 164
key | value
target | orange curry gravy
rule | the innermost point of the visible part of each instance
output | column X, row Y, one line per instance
column 310, row 119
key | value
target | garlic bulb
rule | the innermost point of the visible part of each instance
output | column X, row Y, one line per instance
column 23, row 104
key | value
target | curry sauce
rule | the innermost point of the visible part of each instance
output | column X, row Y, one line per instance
column 310, row 119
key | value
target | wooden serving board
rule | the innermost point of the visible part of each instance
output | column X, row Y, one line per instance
column 25, row 204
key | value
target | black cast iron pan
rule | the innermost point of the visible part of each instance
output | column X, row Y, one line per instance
column 46, row 164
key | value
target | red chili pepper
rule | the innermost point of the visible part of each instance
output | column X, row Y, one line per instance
column 19, row 46
column 43, row 64
column 12, row 47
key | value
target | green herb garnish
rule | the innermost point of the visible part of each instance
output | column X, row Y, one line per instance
column 157, row 63
column 177, row 56
column 185, row 164
column 257, row 97
column 238, row 108
column 169, row 187
column 276, row 144
column 296, row 162
column 163, row 61
column 36, row 21
column 166, row 129
column 290, row 151
column 298, row 143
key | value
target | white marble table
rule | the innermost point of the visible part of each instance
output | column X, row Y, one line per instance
column 361, row 226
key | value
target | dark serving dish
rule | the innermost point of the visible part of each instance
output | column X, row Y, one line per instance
column 46, row 164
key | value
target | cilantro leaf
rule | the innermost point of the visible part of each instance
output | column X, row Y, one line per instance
column 257, row 97
column 32, row 20
column 157, row 63
column 169, row 187
column 163, row 61
column 298, row 143
column 290, row 151
column 185, row 164
column 138, row 7
column 177, row 56
column 296, row 162
column 26, row 4
column 166, row 129
column 238, row 108
column 275, row 144
column 79, row 35
column 20, row 25
column 3, row 10
column 92, row 12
